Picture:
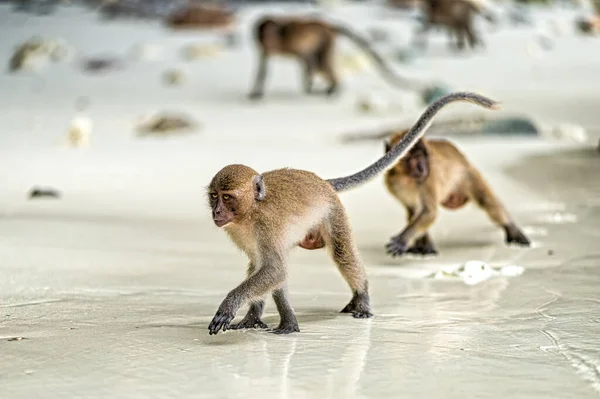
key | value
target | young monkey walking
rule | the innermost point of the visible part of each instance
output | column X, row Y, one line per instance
column 433, row 173
column 312, row 42
column 266, row 215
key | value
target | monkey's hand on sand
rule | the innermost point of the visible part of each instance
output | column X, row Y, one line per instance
column 397, row 246
column 222, row 318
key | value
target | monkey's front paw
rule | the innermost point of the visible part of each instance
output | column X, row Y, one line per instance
column 248, row 324
column 286, row 328
column 220, row 321
column 396, row 247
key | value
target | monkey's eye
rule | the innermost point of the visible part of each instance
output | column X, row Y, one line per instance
column 226, row 197
column 213, row 195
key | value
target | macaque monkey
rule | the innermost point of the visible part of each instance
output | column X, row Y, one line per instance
column 457, row 16
column 312, row 42
column 267, row 215
column 433, row 173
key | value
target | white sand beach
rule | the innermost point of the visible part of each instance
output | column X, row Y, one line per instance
column 109, row 290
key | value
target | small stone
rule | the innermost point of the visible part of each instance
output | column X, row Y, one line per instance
column 165, row 124
column 372, row 104
column 174, row 77
column 379, row 35
column 146, row 52
column 434, row 92
column 194, row 52
column 79, row 132
column 550, row 252
column 39, row 192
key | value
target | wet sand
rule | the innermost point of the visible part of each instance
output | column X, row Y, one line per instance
column 112, row 287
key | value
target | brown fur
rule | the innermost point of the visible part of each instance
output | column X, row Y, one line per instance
column 445, row 178
column 312, row 42
column 267, row 215
column 457, row 16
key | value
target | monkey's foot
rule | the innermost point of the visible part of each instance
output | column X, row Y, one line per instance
column 396, row 247
column 255, row 95
column 285, row 328
column 359, row 307
column 331, row 91
column 422, row 250
column 248, row 324
column 516, row 236
column 220, row 321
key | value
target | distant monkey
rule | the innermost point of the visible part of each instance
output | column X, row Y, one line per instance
column 434, row 173
column 457, row 16
column 266, row 215
column 311, row 41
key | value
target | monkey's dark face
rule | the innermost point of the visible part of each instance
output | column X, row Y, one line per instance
column 225, row 207
column 233, row 192
column 417, row 165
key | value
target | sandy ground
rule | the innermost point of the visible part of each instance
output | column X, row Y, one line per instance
column 113, row 286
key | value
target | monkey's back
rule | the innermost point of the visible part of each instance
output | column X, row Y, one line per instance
column 291, row 35
column 297, row 199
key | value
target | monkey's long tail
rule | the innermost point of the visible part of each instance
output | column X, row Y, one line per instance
column 410, row 139
column 388, row 73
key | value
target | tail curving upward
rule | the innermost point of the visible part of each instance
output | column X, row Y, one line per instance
column 411, row 138
column 387, row 72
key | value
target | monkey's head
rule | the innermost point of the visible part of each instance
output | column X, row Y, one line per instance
column 233, row 193
column 415, row 163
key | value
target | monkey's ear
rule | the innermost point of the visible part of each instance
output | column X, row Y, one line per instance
column 259, row 188
column 387, row 145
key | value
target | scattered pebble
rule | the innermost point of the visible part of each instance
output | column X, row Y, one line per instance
column 36, row 52
column 194, row 52
column 475, row 271
column 588, row 25
column 378, row 35
column 102, row 64
column 569, row 132
column 354, row 62
column 16, row 339
column 166, row 124
column 550, row 252
column 79, row 132
column 39, row 192
column 146, row 52
column 174, row 77
column 373, row 104
column 405, row 55
column 434, row 92
column 560, row 218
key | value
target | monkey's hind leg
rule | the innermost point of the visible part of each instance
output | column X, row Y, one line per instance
column 261, row 75
column 252, row 318
column 309, row 72
column 345, row 255
column 287, row 323
column 326, row 67
column 423, row 246
column 487, row 200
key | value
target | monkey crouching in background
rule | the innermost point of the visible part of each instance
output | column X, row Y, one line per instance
column 267, row 215
column 434, row 173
